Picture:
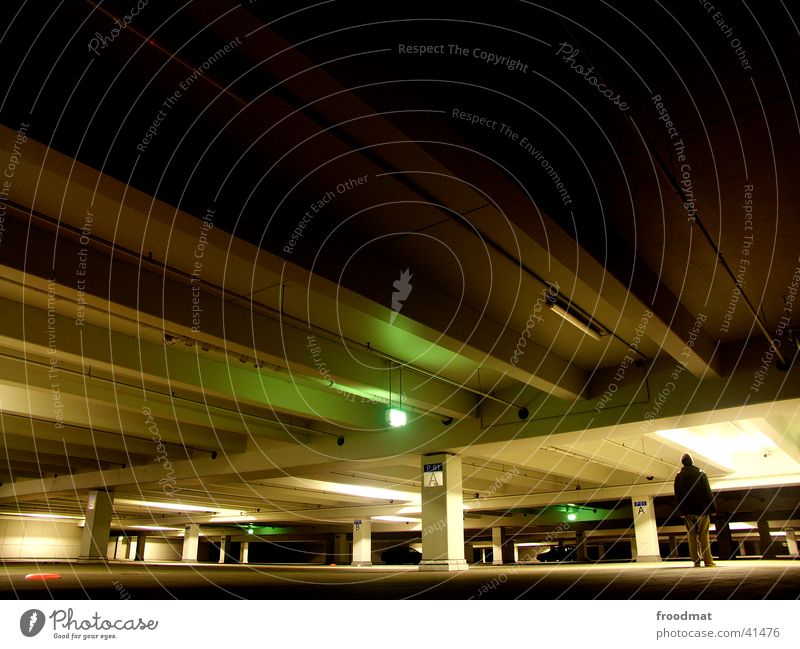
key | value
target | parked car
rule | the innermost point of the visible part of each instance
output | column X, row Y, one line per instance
column 400, row 555
column 563, row 553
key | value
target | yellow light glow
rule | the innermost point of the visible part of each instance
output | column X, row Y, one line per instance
column 396, row 519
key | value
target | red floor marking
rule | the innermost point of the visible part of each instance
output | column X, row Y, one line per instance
column 43, row 575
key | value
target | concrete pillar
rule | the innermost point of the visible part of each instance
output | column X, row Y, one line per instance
column 765, row 540
column 673, row 547
column 141, row 540
column 580, row 546
column 224, row 548
column 97, row 529
column 644, row 521
column 442, row 513
column 791, row 542
column 725, row 545
column 191, row 541
column 469, row 553
column 497, row 546
column 340, row 554
column 362, row 542
column 131, row 549
column 244, row 551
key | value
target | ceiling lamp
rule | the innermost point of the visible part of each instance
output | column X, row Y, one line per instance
column 572, row 314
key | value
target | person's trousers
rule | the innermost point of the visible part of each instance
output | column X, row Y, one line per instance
column 699, row 542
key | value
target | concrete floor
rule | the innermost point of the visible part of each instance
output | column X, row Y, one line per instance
column 668, row 580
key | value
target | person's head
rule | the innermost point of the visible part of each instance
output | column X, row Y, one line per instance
column 687, row 460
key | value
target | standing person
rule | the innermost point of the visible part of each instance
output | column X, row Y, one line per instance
column 695, row 505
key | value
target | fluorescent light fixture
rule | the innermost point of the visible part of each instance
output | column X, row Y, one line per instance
column 43, row 516
column 563, row 313
column 572, row 517
column 396, row 519
column 178, row 507
column 395, row 417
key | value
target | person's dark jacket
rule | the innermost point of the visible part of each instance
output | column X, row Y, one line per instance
column 693, row 492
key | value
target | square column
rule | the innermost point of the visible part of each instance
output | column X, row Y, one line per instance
column 791, row 542
column 244, row 551
column 141, row 540
column 191, row 542
column 497, row 546
column 765, row 540
column 442, row 513
column 225, row 548
column 644, row 521
column 97, row 529
column 362, row 543
column 131, row 553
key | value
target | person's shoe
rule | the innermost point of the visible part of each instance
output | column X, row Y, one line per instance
column 697, row 565
column 709, row 565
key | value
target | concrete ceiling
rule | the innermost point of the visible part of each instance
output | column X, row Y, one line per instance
column 161, row 335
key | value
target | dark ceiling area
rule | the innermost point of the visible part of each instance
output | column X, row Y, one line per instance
column 327, row 91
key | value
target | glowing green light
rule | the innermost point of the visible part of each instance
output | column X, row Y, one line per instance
column 396, row 417
column 250, row 530
column 571, row 517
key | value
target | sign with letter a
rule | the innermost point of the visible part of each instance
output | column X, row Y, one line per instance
column 433, row 475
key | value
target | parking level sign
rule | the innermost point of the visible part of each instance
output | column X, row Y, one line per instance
column 433, row 475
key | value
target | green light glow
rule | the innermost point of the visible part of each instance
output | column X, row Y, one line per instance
column 571, row 517
column 397, row 417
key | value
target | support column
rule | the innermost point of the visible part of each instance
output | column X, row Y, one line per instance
column 244, row 551
column 644, row 521
column 765, row 540
column 131, row 550
column 442, row 513
column 673, row 547
column 724, row 537
column 141, row 540
column 497, row 546
column 191, row 541
column 580, row 546
column 362, row 542
column 97, row 529
column 340, row 554
column 224, row 548
column 791, row 542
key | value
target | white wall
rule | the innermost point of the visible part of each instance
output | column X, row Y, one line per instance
column 39, row 539
column 156, row 548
